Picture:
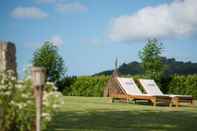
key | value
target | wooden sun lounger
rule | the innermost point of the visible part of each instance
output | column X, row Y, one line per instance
column 177, row 99
column 138, row 95
column 155, row 100
column 151, row 88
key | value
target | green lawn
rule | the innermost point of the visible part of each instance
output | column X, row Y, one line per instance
column 97, row 114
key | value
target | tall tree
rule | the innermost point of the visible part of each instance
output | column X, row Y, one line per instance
column 47, row 56
column 151, row 59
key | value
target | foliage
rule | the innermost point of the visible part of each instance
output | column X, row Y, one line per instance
column 151, row 60
column 47, row 56
column 17, row 107
column 164, row 84
column 87, row 86
column 174, row 67
column 185, row 85
column 65, row 84
column 52, row 102
column 17, row 103
column 179, row 67
column 132, row 68
column 94, row 86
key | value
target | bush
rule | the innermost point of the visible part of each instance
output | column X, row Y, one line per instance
column 164, row 84
column 17, row 104
column 94, row 85
column 64, row 85
column 87, row 86
column 185, row 85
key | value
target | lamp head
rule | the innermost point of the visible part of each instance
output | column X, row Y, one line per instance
column 38, row 76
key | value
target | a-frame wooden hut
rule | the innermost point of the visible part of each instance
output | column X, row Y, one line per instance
column 113, row 87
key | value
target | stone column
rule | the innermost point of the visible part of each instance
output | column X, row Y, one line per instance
column 7, row 56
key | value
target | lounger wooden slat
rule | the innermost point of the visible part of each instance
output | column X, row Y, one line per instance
column 151, row 88
column 130, row 91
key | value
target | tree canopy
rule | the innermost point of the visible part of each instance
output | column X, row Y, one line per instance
column 152, row 63
column 47, row 56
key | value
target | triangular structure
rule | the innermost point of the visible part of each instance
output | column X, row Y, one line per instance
column 112, row 86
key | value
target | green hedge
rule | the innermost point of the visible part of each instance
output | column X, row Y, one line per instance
column 94, row 85
column 64, row 85
column 87, row 86
column 185, row 85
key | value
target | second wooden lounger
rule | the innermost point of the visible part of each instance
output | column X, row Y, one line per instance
column 151, row 88
column 130, row 91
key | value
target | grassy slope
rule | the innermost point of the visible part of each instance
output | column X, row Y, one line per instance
column 97, row 114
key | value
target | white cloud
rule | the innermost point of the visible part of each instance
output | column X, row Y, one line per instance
column 29, row 13
column 57, row 40
column 167, row 20
column 71, row 7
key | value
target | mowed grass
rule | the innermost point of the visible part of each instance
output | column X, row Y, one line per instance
column 98, row 114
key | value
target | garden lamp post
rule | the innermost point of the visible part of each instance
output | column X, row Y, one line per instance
column 38, row 81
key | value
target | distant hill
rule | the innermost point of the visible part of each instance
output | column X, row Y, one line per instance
column 174, row 67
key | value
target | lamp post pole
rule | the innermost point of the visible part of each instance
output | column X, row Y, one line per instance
column 39, row 94
column 38, row 81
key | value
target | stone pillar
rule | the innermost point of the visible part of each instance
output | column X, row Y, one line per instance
column 7, row 56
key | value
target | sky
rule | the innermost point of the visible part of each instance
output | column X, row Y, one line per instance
column 91, row 34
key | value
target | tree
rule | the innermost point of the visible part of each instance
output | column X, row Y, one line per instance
column 47, row 56
column 151, row 60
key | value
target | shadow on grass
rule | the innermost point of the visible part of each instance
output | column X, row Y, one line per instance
column 124, row 121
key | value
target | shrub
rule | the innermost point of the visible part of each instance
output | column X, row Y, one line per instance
column 64, row 85
column 94, row 85
column 17, row 104
column 88, row 86
column 185, row 85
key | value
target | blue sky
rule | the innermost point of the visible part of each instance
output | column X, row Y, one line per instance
column 90, row 34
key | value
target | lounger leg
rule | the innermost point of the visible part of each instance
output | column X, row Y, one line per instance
column 177, row 103
column 192, row 103
column 127, row 100
column 170, row 104
column 112, row 100
column 154, row 102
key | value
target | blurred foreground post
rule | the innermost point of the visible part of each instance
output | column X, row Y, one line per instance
column 38, row 81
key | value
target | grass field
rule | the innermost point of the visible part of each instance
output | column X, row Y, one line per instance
column 97, row 114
